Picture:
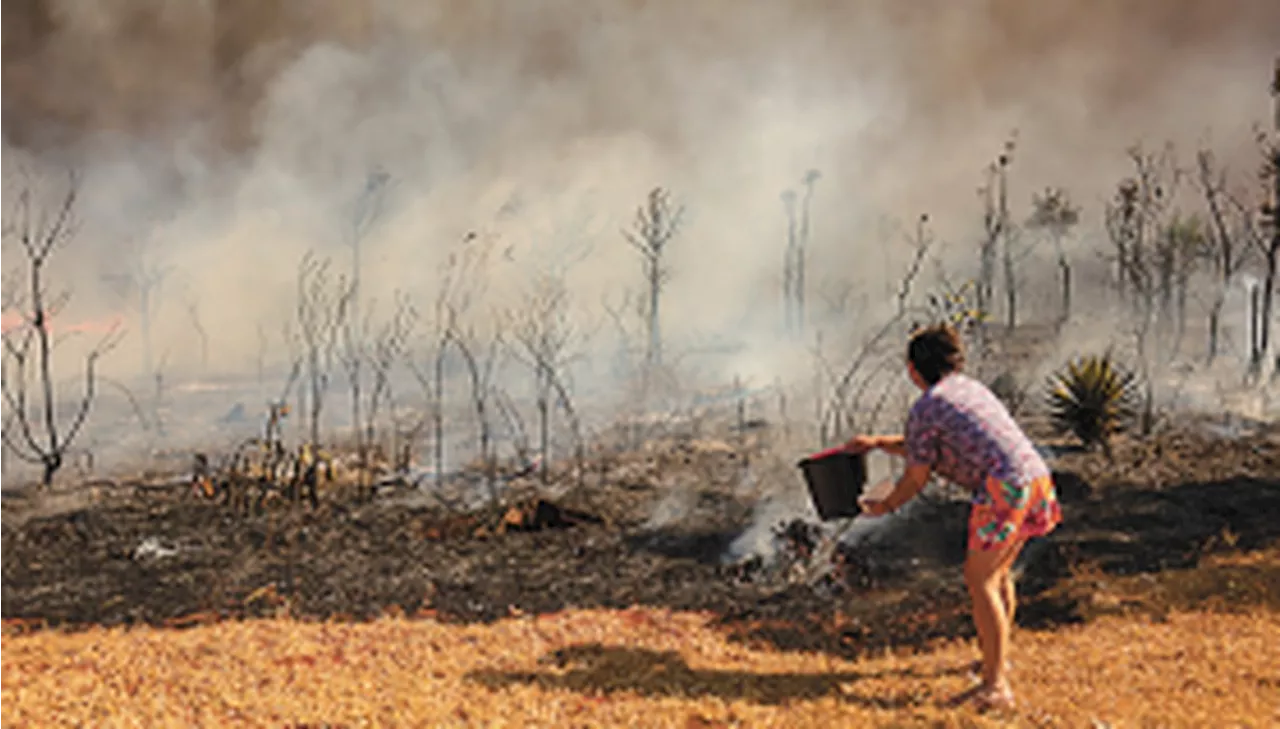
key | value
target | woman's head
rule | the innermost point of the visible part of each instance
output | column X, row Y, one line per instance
column 935, row 352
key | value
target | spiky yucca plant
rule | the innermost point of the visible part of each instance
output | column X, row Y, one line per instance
column 1092, row 398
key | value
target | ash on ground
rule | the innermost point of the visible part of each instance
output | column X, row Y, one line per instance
column 620, row 538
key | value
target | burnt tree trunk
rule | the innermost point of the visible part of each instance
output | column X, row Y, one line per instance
column 1215, row 327
column 317, row 397
column 1273, row 250
column 1010, row 291
column 362, row 445
column 655, row 321
column 1255, row 331
column 479, row 401
column 1268, row 297
column 544, row 423
column 438, row 409
column 1064, row 314
column 789, row 265
column 1183, row 284
column 52, row 458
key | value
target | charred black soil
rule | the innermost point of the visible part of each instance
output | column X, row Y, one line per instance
column 170, row 557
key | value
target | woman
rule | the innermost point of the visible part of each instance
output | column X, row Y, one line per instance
column 959, row 430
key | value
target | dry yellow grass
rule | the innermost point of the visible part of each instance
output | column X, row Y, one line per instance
column 634, row 668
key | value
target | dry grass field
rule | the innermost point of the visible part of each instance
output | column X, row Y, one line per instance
column 1214, row 664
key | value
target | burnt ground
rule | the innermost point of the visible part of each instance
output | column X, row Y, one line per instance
column 166, row 556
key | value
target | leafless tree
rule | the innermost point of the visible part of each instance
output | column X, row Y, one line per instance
column 1141, row 224
column 40, row 439
column 321, row 310
column 158, row 392
column 461, row 281
column 480, row 362
column 628, row 319
column 790, row 258
column 364, row 215
column 197, row 325
column 810, row 179
column 7, row 425
column 1181, row 245
column 385, row 347
column 389, row 345
column 144, row 279
column 148, row 278
column 1054, row 213
column 921, row 242
column 998, row 239
column 542, row 334
column 656, row 223
column 295, row 356
column 351, row 352
column 1134, row 217
column 516, row 428
column 1270, row 175
column 1230, row 229
column 795, row 258
column 995, row 226
column 260, row 359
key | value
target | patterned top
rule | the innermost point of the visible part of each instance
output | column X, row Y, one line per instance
column 963, row 432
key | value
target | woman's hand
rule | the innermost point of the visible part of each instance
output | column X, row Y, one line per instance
column 878, row 503
column 874, row 507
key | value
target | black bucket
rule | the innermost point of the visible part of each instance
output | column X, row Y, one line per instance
column 835, row 480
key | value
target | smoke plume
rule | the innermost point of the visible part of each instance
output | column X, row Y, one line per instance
column 221, row 140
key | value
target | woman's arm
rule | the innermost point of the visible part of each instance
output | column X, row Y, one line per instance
column 895, row 445
column 912, row 481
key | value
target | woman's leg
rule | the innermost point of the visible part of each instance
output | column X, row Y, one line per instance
column 986, row 575
column 1009, row 592
column 1009, row 600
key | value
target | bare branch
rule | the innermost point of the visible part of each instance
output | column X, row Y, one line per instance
column 921, row 244
column 39, row 236
column 108, row 342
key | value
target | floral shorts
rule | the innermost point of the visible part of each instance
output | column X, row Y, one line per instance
column 1003, row 512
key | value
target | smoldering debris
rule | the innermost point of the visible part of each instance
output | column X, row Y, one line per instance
column 781, row 516
column 789, row 543
column 152, row 548
column 758, row 540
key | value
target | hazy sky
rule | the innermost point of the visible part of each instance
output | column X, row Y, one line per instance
column 221, row 139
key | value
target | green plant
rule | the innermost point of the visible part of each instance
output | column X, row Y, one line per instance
column 1092, row 398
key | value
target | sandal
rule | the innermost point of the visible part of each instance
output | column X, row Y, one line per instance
column 993, row 699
